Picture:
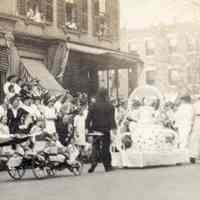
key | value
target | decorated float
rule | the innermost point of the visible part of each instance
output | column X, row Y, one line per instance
column 144, row 138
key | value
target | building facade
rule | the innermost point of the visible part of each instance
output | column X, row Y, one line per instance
column 171, row 55
column 77, row 41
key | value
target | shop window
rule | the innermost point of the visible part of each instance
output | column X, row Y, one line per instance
column 71, row 14
column 100, row 24
column 149, row 48
column 103, row 79
column 113, row 83
column 150, row 77
column 39, row 11
column 123, row 83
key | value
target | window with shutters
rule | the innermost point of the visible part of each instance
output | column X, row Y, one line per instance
column 49, row 10
column 100, row 22
column 71, row 14
column 39, row 11
column 84, row 17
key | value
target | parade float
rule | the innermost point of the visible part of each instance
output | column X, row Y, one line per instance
column 145, row 137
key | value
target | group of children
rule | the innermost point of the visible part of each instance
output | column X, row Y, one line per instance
column 57, row 121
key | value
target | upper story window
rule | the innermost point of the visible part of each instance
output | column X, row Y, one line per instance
column 149, row 47
column 150, row 77
column 172, row 76
column 193, row 75
column 100, row 21
column 102, row 7
column 191, row 43
column 173, row 42
column 132, row 47
column 71, row 14
column 39, row 11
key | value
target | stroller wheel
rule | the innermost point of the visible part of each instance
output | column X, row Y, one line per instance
column 16, row 172
column 15, row 167
column 39, row 168
column 77, row 168
column 51, row 172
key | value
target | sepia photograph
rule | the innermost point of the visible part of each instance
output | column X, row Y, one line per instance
column 99, row 99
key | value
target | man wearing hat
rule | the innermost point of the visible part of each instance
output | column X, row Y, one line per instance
column 101, row 119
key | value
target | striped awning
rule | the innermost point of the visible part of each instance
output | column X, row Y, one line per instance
column 35, row 69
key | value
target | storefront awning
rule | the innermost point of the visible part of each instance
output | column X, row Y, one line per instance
column 86, row 49
column 106, row 57
column 37, row 70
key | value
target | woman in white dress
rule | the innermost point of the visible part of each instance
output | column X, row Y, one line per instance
column 50, row 117
column 184, row 118
column 195, row 137
column 80, row 131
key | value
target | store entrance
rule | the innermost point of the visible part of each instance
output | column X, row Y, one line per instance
column 119, row 82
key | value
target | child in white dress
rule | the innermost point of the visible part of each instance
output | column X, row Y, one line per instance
column 79, row 125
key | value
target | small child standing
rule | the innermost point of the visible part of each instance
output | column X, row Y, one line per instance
column 79, row 127
column 4, row 134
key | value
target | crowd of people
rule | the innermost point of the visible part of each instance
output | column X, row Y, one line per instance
column 30, row 109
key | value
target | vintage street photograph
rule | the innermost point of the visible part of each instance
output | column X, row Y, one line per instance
column 99, row 99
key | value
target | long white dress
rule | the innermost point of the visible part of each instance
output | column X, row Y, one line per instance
column 80, row 135
column 50, row 117
column 194, row 145
column 184, row 119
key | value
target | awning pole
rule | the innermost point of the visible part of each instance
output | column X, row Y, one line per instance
column 117, row 84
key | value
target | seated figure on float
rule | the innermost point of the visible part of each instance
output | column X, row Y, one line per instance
column 143, row 139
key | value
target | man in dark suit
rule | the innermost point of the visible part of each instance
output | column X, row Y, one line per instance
column 101, row 118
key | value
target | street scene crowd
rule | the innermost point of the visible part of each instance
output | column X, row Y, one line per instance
column 144, row 130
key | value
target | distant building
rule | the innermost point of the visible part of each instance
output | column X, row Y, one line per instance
column 77, row 41
column 171, row 56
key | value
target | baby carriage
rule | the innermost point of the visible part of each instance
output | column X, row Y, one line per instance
column 23, row 157
column 59, row 157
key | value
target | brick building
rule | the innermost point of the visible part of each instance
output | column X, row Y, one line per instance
column 171, row 55
column 74, row 42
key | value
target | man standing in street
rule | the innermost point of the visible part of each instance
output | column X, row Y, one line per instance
column 101, row 119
